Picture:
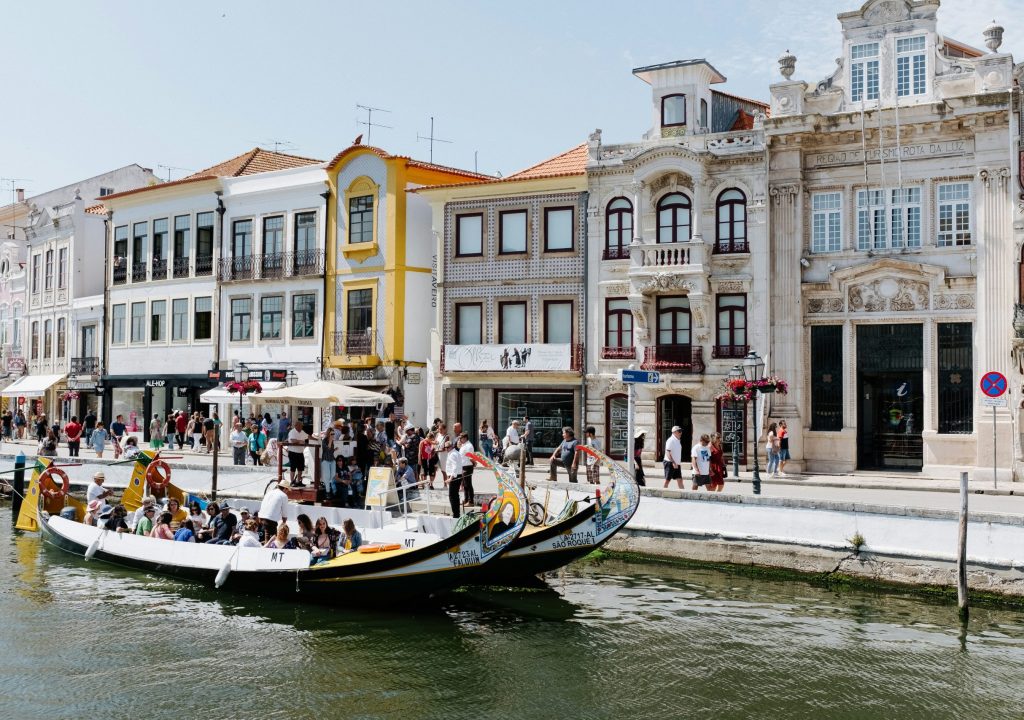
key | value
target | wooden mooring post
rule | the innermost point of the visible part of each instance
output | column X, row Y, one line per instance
column 961, row 553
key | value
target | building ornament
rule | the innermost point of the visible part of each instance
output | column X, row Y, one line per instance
column 889, row 294
column 776, row 191
column 730, row 286
column 662, row 282
column 620, row 289
column 638, row 306
column 672, row 180
column 825, row 305
column 962, row 301
column 988, row 175
column 887, row 12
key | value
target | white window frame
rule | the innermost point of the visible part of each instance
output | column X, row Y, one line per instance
column 954, row 204
column 871, row 219
column 915, row 60
column 827, row 206
column 114, row 340
column 864, row 64
column 175, row 325
column 905, row 215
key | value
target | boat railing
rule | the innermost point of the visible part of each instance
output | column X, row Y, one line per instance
column 403, row 503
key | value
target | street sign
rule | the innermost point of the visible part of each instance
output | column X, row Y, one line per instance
column 993, row 402
column 993, row 384
column 641, row 376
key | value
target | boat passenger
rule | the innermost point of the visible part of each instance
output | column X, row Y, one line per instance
column 96, row 490
column 178, row 514
column 324, row 540
column 163, row 531
column 274, row 506
column 212, row 512
column 351, row 539
column 148, row 501
column 453, row 480
column 197, row 517
column 222, row 527
column 305, row 526
column 280, row 541
column 185, row 533
column 116, row 521
column 93, row 510
column 405, row 480
column 249, row 536
column 145, row 525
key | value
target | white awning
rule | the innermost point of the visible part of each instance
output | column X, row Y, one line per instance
column 31, row 386
column 220, row 396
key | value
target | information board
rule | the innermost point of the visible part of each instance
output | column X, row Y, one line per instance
column 381, row 479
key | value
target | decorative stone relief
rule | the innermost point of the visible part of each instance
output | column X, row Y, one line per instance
column 730, row 286
column 672, row 180
column 889, row 294
column 779, row 192
column 962, row 301
column 638, row 306
column 886, row 12
column 664, row 281
column 698, row 315
column 996, row 177
column 825, row 305
column 616, row 289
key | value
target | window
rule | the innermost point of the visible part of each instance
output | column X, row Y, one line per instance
column 360, row 219
column 954, row 214
column 36, row 263
column 158, row 321
column 469, row 324
column 35, row 340
column 117, row 325
column 49, row 270
column 732, row 326
column 3, row 325
column 673, row 110
column 202, row 318
column 241, row 238
column 864, row 72
column 905, row 212
column 16, row 325
column 241, row 319
column 182, row 240
column 303, row 315
column 469, row 235
column 673, row 218
column 558, row 229
column 271, row 317
column 731, row 212
column 618, row 332
column 121, row 241
column 140, row 233
column 870, row 220
column 827, row 378
column 512, row 231
column 558, row 321
column 61, row 336
column 910, row 66
column 104, row 191
column 204, row 235
column 512, row 322
column 160, row 239
column 138, row 322
column 618, row 229
column 179, row 319
column 673, row 320
column 305, row 236
column 360, row 311
column 956, row 378
column 826, row 222
column 62, row 268
column 273, row 235
column 704, row 115
column 47, row 339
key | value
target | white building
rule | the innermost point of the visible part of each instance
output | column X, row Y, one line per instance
column 678, row 256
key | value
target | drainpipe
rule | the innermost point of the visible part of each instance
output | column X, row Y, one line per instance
column 323, row 307
column 108, row 229
column 216, row 274
column 584, row 334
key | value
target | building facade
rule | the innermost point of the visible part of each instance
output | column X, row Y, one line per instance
column 379, row 273
column 512, row 310
column 678, row 257
column 895, row 239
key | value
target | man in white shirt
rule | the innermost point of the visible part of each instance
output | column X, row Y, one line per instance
column 465, row 446
column 273, row 508
column 700, row 461
column 673, row 459
column 453, row 468
column 512, row 440
column 96, row 490
column 297, row 440
column 239, row 443
column 593, row 469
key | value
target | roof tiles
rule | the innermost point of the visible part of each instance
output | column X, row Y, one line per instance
column 570, row 163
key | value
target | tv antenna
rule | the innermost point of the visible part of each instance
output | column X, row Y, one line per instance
column 369, row 123
column 170, row 168
column 279, row 145
column 431, row 138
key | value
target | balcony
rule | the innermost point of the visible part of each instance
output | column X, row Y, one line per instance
column 85, row 366
column 159, row 269
column 618, row 353
column 181, row 267
column 357, row 343
column 307, row 262
column 139, row 271
column 513, row 357
column 238, row 268
column 735, row 247
column 677, row 359
column 653, row 260
column 120, row 274
column 720, row 352
column 204, row 265
column 272, row 266
column 616, row 253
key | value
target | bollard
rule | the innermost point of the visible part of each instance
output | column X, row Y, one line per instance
column 18, row 484
column 961, row 555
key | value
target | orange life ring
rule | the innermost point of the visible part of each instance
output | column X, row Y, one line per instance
column 158, row 474
column 54, row 492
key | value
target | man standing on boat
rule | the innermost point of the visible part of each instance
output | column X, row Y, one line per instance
column 274, row 507
column 453, row 468
column 96, row 490
column 466, row 447
column 566, row 456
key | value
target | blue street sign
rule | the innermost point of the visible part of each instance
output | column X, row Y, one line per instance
column 641, row 376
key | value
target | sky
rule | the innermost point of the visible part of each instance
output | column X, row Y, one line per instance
column 91, row 86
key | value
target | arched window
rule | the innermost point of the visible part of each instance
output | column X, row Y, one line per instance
column 674, row 218
column 618, row 229
column 731, row 211
column 673, row 110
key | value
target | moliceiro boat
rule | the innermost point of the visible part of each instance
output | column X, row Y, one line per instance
column 573, row 534
column 387, row 574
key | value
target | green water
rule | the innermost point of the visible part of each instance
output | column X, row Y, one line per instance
column 608, row 639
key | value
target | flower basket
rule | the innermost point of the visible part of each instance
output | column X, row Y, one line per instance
column 249, row 386
column 69, row 395
column 741, row 390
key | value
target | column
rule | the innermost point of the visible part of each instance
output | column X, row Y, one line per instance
column 698, row 211
column 637, row 188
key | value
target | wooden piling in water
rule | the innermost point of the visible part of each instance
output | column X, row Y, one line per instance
column 961, row 554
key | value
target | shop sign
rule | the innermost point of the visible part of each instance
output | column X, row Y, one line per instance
column 413, row 378
column 15, row 364
column 156, row 383
column 79, row 384
column 547, row 357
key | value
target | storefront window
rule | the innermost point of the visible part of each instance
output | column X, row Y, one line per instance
column 129, row 403
column 549, row 410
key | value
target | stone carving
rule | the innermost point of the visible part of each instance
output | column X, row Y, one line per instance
column 825, row 305
column 889, row 294
column 672, row 180
column 962, row 301
column 664, row 281
column 886, row 12
column 988, row 175
column 777, row 190
column 616, row 290
column 726, row 143
column 787, row 64
column 638, row 306
column 730, row 286
column 698, row 315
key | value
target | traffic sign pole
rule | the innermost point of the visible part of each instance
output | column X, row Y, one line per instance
column 993, row 385
column 630, row 441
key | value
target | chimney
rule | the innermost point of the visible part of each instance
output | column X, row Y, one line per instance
column 20, row 192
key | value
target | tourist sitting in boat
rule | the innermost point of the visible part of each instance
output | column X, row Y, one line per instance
column 249, row 536
column 92, row 512
column 212, row 513
column 280, row 541
column 305, row 523
column 178, row 514
column 147, row 502
column 145, row 524
column 162, row 530
column 222, row 527
column 185, row 533
column 351, row 539
column 197, row 517
column 274, row 506
column 325, row 538
column 116, row 520
column 131, row 448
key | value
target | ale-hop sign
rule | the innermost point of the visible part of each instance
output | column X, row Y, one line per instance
column 525, row 357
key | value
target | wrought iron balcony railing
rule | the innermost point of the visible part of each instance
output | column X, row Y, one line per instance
column 139, row 271
column 85, row 366
column 181, row 267
column 729, row 351
column 204, row 265
column 120, row 275
column 159, row 269
column 681, row 359
column 627, row 352
column 618, row 252
column 353, row 343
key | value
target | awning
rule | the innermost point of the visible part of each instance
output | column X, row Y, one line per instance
column 323, row 394
column 31, row 386
column 220, row 396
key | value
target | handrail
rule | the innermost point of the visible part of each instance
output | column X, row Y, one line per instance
column 403, row 503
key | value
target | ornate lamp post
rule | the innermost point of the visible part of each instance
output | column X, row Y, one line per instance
column 241, row 374
column 753, row 371
column 736, row 374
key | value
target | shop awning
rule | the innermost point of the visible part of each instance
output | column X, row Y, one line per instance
column 31, row 386
column 323, row 394
column 220, row 396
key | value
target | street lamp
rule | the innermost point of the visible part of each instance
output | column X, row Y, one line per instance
column 736, row 374
column 753, row 370
column 241, row 374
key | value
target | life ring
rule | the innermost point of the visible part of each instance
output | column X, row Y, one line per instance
column 158, row 474
column 54, row 492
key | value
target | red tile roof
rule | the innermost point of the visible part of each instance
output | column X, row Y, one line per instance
column 97, row 209
column 384, row 155
column 571, row 163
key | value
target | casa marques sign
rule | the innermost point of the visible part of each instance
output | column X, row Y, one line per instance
column 509, row 358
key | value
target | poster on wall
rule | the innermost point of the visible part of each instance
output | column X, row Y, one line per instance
column 523, row 357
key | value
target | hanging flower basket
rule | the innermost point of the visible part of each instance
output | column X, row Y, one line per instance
column 69, row 395
column 249, row 386
column 741, row 390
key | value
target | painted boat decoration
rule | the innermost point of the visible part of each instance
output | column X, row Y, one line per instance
column 545, row 548
column 393, row 574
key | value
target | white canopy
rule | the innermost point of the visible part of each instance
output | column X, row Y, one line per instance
column 322, row 393
column 220, row 396
column 31, row 386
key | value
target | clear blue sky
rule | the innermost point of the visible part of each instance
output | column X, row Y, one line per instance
column 90, row 86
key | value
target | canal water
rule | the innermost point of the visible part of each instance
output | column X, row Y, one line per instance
column 603, row 639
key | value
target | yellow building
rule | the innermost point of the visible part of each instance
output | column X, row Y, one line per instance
column 381, row 259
